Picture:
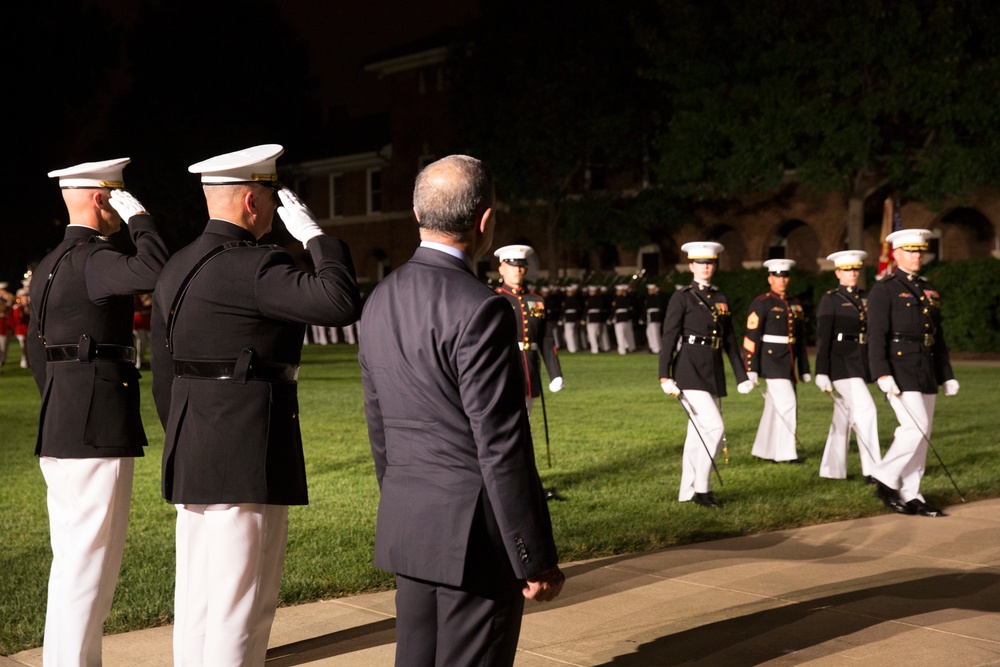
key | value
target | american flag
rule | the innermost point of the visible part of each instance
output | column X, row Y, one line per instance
column 891, row 222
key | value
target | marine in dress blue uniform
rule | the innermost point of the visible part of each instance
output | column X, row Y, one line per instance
column 89, row 430
column 909, row 358
column 697, row 330
column 232, row 456
column 534, row 330
column 842, row 369
column 775, row 349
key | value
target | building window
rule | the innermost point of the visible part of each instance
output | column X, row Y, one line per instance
column 336, row 195
column 374, row 191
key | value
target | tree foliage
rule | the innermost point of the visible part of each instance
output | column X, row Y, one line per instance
column 852, row 95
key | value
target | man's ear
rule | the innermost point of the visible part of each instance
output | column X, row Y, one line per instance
column 415, row 214
column 485, row 221
column 250, row 202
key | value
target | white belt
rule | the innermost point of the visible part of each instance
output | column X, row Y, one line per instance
column 527, row 346
column 781, row 340
column 621, row 310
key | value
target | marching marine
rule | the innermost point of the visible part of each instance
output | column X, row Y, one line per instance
column 697, row 329
column 534, row 328
column 910, row 360
column 842, row 369
column 775, row 349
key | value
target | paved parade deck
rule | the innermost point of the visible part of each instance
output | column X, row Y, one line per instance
column 885, row 590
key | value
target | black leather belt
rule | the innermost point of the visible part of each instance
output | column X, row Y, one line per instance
column 927, row 339
column 101, row 351
column 267, row 371
column 713, row 341
column 860, row 338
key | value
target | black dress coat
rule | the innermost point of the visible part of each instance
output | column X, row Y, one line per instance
column 91, row 410
column 906, row 339
column 841, row 332
column 696, row 317
column 449, row 430
column 229, row 441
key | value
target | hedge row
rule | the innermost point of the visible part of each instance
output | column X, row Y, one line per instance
column 970, row 298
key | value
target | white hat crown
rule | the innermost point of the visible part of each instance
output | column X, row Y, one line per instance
column 102, row 174
column 848, row 259
column 776, row 265
column 702, row 249
column 509, row 252
column 254, row 164
column 917, row 238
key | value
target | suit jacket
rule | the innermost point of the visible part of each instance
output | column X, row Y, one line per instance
column 534, row 335
column 91, row 410
column 229, row 441
column 449, row 430
column 841, row 322
column 906, row 339
column 772, row 315
column 702, row 312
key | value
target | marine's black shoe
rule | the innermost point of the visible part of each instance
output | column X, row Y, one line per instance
column 706, row 500
column 890, row 497
column 917, row 506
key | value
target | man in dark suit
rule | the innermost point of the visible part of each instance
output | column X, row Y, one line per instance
column 89, row 430
column 909, row 359
column 232, row 459
column 462, row 517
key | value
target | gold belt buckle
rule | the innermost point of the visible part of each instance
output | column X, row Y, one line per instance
column 928, row 340
column 791, row 340
column 862, row 338
column 716, row 342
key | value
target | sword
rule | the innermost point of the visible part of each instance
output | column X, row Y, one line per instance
column 725, row 441
column 929, row 444
column 837, row 399
column 700, row 437
column 545, row 420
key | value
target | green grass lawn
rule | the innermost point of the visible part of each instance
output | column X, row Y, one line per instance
column 615, row 442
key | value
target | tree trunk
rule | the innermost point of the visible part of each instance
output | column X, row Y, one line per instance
column 855, row 227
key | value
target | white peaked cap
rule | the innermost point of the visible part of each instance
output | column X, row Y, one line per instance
column 776, row 265
column 702, row 249
column 848, row 259
column 910, row 239
column 104, row 174
column 247, row 165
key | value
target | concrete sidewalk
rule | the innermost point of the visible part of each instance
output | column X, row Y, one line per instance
column 886, row 590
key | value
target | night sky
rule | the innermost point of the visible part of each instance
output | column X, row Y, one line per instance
column 99, row 80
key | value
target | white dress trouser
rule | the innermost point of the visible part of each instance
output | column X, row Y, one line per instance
column 696, row 465
column 775, row 439
column 594, row 336
column 624, row 337
column 654, row 332
column 229, row 564
column 88, row 502
column 902, row 467
column 571, row 335
column 853, row 409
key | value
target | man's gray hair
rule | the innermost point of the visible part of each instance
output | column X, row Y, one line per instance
column 452, row 194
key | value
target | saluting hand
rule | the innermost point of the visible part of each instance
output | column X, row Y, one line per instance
column 125, row 204
column 298, row 219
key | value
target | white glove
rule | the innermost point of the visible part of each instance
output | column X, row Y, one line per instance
column 824, row 384
column 888, row 385
column 745, row 387
column 950, row 387
column 807, row 378
column 125, row 204
column 298, row 219
column 670, row 387
column 556, row 384
column 752, row 377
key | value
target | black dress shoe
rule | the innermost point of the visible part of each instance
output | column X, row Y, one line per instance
column 917, row 506
column 869, row 479
column 706, row 500
column 550, row 494
column 890, row 497
column 796, row 462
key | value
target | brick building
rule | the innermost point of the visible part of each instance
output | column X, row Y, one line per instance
column 365, row 197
